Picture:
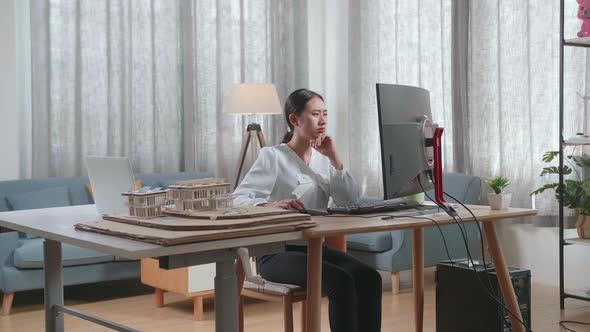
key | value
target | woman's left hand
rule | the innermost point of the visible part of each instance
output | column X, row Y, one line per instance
column 325, row 145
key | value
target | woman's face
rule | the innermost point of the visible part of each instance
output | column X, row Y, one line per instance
column 312, row 122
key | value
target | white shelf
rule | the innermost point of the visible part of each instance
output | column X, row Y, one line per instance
column 578, row 240
column 573, row 142
column 579, row 292
column 584, row 42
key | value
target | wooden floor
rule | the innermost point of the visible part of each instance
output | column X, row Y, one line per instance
column 132, row 304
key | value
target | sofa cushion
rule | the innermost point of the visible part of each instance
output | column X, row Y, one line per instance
column 370, row 242
column 39, row 199
column 30, row 255
column 76, row 185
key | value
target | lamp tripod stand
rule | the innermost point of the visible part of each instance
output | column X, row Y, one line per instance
column 253, row 133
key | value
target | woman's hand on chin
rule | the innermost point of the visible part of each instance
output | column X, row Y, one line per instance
column 324, row 144
column 286, row 204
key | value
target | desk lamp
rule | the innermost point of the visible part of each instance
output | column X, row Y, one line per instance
column 252, row 99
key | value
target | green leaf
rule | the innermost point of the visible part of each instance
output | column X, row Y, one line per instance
column 582, row 161
column 550, row 170
column 498, row 183
column 555, row 170
column 574, row 195
column 545, row 187
column 574, row 192
column 550, row 155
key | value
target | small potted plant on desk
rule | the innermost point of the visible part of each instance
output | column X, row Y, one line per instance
column 576, row 191
column 498, row 200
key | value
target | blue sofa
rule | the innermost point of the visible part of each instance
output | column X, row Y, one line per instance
column 392, row 251
column 21, row 255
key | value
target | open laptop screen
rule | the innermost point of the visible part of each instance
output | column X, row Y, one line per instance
column 109, row 177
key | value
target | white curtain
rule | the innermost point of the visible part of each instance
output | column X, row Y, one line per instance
column 148, row 79
column 404, row 42
column 106, row 81
column 239, row 41
column 388, row 41
column 513, row 92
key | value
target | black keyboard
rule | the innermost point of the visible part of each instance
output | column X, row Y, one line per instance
column 376, row 207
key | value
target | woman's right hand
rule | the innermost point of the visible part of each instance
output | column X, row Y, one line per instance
column 287, row 204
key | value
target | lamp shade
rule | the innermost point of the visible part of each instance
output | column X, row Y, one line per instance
column 253, row 98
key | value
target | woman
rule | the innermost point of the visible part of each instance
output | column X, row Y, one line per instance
column 305, row 172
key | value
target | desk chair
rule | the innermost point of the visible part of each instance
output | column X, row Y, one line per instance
column 268, row 291
column 254, row 286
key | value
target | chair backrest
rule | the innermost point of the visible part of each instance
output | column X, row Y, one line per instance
column 246, row 261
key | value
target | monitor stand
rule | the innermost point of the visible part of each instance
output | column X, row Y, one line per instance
column 438, row 173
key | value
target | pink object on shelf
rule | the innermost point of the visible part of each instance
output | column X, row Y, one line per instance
column 584, row 15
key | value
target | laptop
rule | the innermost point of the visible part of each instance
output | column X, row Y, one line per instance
column 109, row 177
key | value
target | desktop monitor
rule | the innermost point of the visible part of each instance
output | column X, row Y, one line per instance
column 405, row 126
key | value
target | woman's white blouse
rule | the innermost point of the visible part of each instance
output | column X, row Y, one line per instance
column 279, row 173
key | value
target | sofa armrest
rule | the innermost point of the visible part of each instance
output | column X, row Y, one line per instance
column 9, row 241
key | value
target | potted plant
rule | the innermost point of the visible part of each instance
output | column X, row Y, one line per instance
column 576, row 189
column 498, row 200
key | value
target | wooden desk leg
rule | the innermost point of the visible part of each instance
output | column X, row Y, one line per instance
column 503, row 275
column 337, row 242
column 314, row 285
column 418, row 277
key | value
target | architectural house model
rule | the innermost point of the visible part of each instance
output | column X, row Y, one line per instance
column 146, row 204
column 201, row 194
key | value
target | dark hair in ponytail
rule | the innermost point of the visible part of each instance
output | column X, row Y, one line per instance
column 295, row 103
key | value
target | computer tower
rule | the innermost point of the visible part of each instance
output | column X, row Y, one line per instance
column 463, row 305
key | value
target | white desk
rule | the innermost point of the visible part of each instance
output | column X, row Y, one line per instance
column 56, row 225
